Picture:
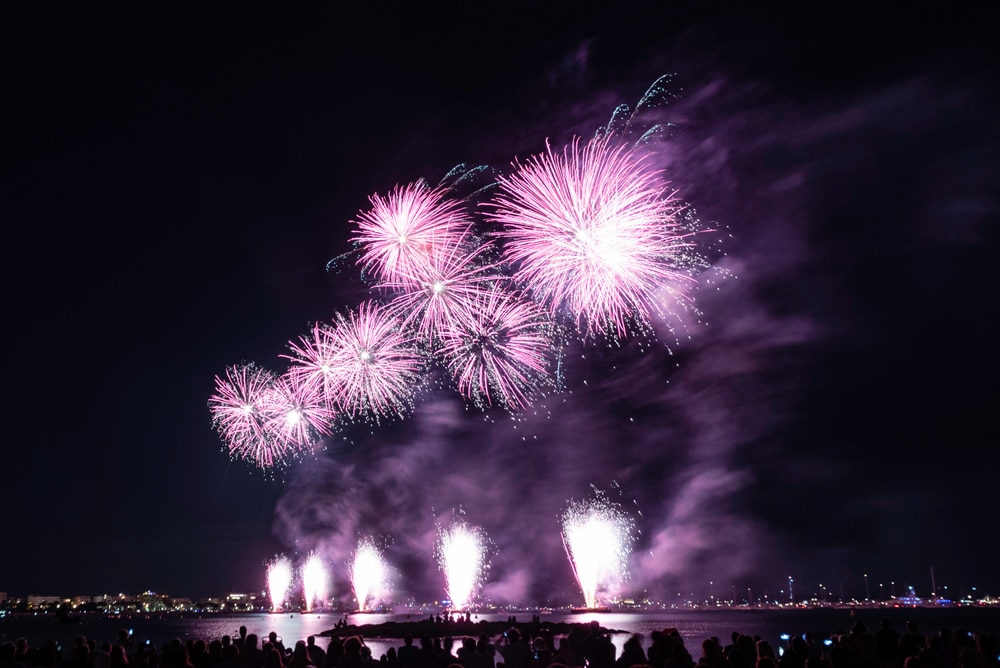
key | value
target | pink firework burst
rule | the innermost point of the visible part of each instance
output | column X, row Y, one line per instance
column 240, row 413
column 593, row 233
column 401, row 230
column 502, row 354
column 375, row 362
column 447, row 290
column 296, row 416
column 312, row 366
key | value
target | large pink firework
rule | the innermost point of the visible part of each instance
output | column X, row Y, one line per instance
column 592, row 232
column 447, row 290
column 240, row 412
column 501, row 356
column 400, row 231
column 375, row 362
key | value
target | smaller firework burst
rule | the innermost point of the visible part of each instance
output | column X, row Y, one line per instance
column 369, row 575
column 597, row 536
column 312, row 366
column 241, row 411
column 279, row 581
column 403, row 229
column 315, row 581
column 462, row 551
column 296, row 416
column 446, row 291
column 375, row 362
column 501, row 355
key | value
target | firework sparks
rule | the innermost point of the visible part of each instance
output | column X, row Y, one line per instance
column 296, row 416
column 374, row 361
column 279, row 581
column 315, row 581
column 501, row 355
column 587, row 237
column 312, row 367
column 461, row 553
column 369, row 574
column 401, row 231
column 241, row 414
column 446, row 291
column 591, row 232
column 597, row 536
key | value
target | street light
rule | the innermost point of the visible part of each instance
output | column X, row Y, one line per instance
column 867, row 595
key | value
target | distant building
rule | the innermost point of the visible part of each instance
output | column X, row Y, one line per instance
column 42, row 601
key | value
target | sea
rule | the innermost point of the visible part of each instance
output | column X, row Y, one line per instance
column 693, row 625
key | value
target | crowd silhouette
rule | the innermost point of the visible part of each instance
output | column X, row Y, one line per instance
column 528, row 645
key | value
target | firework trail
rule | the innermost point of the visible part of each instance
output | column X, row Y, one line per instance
column 500, row 356
column 402, row 230
column 315, row 581
column 279, row 581
column 241, row 412
column 591, row 232
column 369, row 574
column 445, row 292
column 461, row 553
column 597, row 536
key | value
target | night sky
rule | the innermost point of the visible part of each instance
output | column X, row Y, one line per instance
column 176, row 180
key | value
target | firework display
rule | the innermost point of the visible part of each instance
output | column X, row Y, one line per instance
column 376, row 362
column 461, row 552
column 279, row 581
column 501, row 355
column 296, row 416
column 445, row 292
column 369, row 574
column 597, row 536
column 591, row 232
column 483, row 287
column 404, row 229
column 315, row 581
column 242, row 414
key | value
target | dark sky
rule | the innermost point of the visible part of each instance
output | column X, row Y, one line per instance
column 175, row 181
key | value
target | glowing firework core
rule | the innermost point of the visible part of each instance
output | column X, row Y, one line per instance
column 592, row 232
column 369, row 574
column 279, row 580
column 462, row 557
column 315, row 581
column 597, row 537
